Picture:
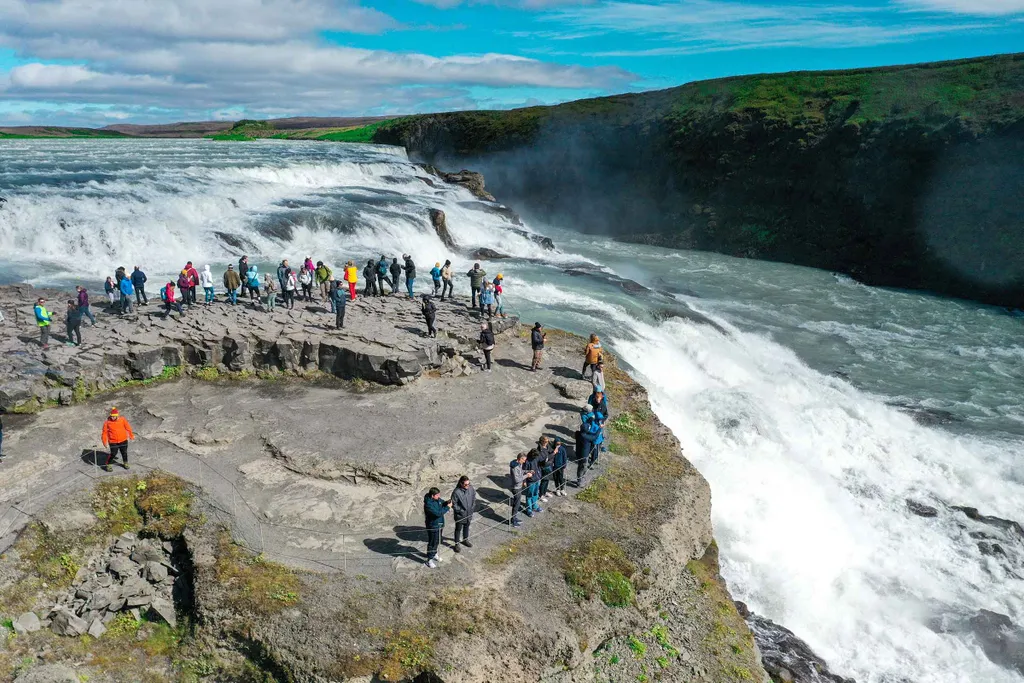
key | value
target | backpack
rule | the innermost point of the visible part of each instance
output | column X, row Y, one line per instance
column 590, row 426
column 163, row 293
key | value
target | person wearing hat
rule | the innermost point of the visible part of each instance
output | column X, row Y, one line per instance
column 499, row 300
column 429, row 311
column 447, row 286
column 232, row 281
column 537, row 339
column 43, row 321
column 116, row 435
column 351, row 277
column 435, row 276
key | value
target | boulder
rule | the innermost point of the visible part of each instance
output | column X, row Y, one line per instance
column 96, row 628
column 440, row 223
column 155, row 572
column 48, row 673
column 27, row 623
column 66, row 623
column 165, row 610
column 471, row 180
column 123, row 567
column 920, row 509
column 145, row 362
column 485, row 254
column 147, row 552
column 574, row 389
column 1001, row 640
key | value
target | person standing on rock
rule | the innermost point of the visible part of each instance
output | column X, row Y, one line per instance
column 434, row 510
column 193, row 282
column 351, row 278
column 429, row 311
column 591, row 355
column 308, row 264
column 43, row 321
column 463, row 506
column 184, row 281
column 206, row 280
column 520, row 478
column 252, row 280
column 435, row 276
column 487, row 300
column 597, row 378
column 73, row 324
column 116, row 435
column 110, row 289
column 533, row 488
column 486, row 344
column 396, row 272
column 281, row 270
column 546, row 464
column 139, row 280
column 382, row 275
column 170, row 297
column 476, row 279
column 127, row 291
column 370, row 275
column 323, row 280
column 338, row 301
column 231, row 283
column 499, row 296
column 537, row 339
column 291, row 284
column 306, row 282
column 83, row 304
column 580, row 457
column 559, row 460
column 410, row 275
column 590, row 428
column 243, row 267
column 447, row 286
column 270, row 290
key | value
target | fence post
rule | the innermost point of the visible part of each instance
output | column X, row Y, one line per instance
column 260, row 525
column 344, row 553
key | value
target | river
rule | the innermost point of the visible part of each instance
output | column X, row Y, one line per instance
column 815, row 406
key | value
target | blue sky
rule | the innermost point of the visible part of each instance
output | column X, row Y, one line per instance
column 96, row 62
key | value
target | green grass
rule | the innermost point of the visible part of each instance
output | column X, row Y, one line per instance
column 600, row 567
column 360, row 134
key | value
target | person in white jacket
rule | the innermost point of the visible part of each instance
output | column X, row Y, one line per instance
column 206, row 280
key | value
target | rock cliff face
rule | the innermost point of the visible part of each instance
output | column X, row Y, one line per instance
column 906, row 176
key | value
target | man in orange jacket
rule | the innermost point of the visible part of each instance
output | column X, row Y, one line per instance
column 116, row 434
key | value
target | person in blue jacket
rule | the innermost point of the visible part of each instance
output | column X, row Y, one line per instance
column 590, row 429
column 382, row 275
column 435, row 275
column 139, row 281
column 127, row 291
column 434, row 510
column 252, row 282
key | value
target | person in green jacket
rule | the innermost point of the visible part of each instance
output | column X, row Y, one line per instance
column 434, row 510
column 323, row 280
column 43, row 321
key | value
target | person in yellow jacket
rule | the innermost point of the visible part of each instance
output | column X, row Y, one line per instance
column 116, row 434
column 351, row 277
column 593, row 355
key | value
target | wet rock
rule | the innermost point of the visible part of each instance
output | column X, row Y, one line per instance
column 1007, row 525
column 440, row 223
column 920, row 509
column 485, row 254
column 26, row 623
column 471, row 180
column 785, row 656
column 1001, row 640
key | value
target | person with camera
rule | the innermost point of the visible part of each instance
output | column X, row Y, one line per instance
column 434, row 510
column 520, row 479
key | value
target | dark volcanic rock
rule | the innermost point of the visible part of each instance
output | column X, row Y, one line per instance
column 786, row 657
column 1007, row 525
column 485, row 254
column 921, row 510
column 1001, row 639
column 440, row 223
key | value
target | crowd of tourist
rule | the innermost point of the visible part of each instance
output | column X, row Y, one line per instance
column 535, row 476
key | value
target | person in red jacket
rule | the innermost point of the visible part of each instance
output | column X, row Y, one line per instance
column 193, row 278
column 116, row 434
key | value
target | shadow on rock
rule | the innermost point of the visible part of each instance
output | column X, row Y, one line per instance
column 94, row 457
column 393, row 546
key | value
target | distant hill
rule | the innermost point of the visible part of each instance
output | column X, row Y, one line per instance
column 295, row 127
column 908, row 176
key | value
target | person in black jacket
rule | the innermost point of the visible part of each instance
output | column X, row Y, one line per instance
column 463, row 506
column 139, row 281
column 429, row 310
column 580, row 456
column 486, row 344
column 410, row 275
column 370, row 275
column 73, row 324
column 434, row 510
column 559, row 460
column 544, row 462
column 396, row 272
column 537, row 339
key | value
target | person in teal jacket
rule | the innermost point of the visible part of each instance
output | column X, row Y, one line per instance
column 435, row 275
column 434, row 510
column 43, row 321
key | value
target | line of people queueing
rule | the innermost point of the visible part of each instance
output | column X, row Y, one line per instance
column 536, row 476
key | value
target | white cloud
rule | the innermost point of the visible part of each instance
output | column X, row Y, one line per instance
column 260, row 56
column 973, row 7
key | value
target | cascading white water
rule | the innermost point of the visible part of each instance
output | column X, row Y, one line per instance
column 810, row 473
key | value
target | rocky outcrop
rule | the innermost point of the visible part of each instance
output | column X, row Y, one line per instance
column 471, row 180
column 134, row 575
column 485, row 254
column 381, row 343
column 787, row 658
column 440, row 223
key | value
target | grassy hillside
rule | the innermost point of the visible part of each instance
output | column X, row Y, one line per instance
column 31, row 132
column 906, row 176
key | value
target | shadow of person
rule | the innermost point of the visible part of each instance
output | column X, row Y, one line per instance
column 560, row 432
column 495, row 503
column 91, row 456
column 563, row 371
column 564, row 407
column 509, row 363
column 391, row 547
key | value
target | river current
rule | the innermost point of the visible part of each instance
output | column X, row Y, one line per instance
column 814, row 405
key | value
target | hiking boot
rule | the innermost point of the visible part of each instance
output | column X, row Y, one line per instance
column 457, row 548
column 431, row 564
column 516, row 523
column 467, row 544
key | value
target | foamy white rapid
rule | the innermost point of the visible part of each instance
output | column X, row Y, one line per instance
column 810, row 472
